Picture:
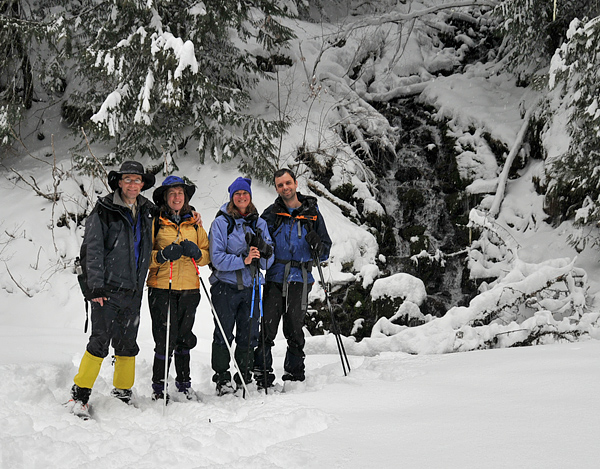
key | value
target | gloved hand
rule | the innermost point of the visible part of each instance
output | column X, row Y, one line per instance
column 170, row 253
column 314, row 241
column 191, row 249
column 258, row 242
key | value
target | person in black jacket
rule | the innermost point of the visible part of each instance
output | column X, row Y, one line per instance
column 115, row 256
column 299, row 237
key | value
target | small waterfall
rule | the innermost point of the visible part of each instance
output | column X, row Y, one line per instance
column 425, row 198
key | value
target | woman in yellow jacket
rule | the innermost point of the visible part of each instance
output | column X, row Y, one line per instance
column 179, row 241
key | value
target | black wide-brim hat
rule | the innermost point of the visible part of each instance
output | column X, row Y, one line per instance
column 130, row 167
column 158, row 196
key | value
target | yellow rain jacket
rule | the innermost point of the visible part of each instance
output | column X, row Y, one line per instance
column 185, row 276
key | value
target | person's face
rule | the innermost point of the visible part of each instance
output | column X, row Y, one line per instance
column 131, row 186
column 175, row 198
column 241, row 199
column 286, row 187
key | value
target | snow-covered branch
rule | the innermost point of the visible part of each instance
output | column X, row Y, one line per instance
column 399, row 17
column 495, row 209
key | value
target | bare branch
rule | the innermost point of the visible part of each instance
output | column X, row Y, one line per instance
column 56, row 183
column 105, row 178
column 17, row 283
column 34, row 186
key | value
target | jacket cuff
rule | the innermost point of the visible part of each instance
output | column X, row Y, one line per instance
column 160, row 258
column 97, row 293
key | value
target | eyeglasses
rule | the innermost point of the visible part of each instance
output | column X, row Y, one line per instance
column 132, row 181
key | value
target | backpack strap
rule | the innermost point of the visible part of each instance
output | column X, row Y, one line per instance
column 305, row 267
column 230, row 227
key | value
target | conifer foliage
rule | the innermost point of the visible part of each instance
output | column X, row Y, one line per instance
column 574, row 74
column 158, row 74
column 534, row 29
column 152, row 77
column 30, row 64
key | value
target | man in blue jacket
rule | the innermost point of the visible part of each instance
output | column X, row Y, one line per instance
column 299, row 234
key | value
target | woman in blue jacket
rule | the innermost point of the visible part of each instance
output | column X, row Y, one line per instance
column 240, row 245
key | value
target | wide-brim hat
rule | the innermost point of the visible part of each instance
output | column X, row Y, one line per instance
column 130, row 167
column 158, row 196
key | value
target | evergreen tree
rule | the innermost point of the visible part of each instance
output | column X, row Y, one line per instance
column 534, row 29
column 575, row 176
column 159, row 75
column 31, row 67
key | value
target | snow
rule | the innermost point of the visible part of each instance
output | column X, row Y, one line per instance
column 183, row 51
column 406, row 402
column 400, row 285
column 105, row 115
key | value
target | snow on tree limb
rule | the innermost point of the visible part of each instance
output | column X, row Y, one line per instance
column 495, row 209
column 399, row 17
column 395, row 93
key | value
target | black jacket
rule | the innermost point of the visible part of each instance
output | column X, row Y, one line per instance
column 108, row 256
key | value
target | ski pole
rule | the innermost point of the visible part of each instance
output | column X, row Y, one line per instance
column 255, row 267
column 262, row 331
column 336, row 332
column 167, row 355
column 218, row 321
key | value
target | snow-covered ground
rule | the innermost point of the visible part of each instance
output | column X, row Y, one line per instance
column 534, row 407
column 531, row 407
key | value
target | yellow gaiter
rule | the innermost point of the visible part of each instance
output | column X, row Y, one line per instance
column 88, row 370
column 124, row 372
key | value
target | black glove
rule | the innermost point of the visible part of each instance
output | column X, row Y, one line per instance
column 314, row 241
column 266, row 251
column 256, row 241
column 191, row 249
column 171, row 253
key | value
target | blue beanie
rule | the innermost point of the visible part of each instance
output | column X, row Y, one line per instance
column 240, row 184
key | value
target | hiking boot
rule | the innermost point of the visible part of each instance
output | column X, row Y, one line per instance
column 160, row 396
column 80, row 395
column 287, row 376
column 261, row 381
column 225, row 387
column 186, row 390
column 124, row 395
column 78, row 404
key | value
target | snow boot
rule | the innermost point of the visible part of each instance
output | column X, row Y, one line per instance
column 263, row 381
column 287, row 376
column 225, row 387
column 80, row 394
column 158, row 392
column 124, row 395
column 185, row 389
column 78, row 404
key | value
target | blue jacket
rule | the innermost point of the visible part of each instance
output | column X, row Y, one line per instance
column 227, row 252
column 288, row 230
